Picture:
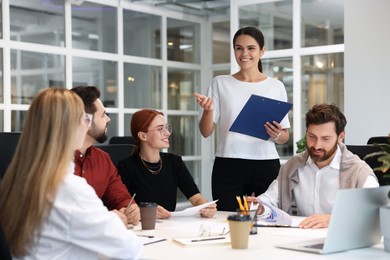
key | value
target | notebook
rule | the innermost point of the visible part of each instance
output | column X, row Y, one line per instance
column 354, row 222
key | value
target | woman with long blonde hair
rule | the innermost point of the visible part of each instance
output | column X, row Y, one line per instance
column 47, row 211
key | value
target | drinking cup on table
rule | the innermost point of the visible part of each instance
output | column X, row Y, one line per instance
column 148, row 215
column 253, row 215
column 239, row 226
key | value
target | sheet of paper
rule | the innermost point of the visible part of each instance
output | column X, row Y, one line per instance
column 193, row 211
column 256, row 112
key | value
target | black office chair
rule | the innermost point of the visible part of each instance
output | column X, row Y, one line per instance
column 117, row 152
column 379, row 140
column 5, row 253
column 8, row 143
column 122, row 140
column 362, row 151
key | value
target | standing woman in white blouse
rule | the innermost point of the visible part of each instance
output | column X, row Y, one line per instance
column 243, row 164
column 46, row 211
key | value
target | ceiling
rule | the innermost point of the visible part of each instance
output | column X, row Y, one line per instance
column 195, row 7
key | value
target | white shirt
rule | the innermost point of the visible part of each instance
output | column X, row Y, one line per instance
column 316, row 192
column 229, row 96
column 80, row 227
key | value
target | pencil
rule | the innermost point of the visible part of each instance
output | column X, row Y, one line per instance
column 239, row 203
column 246, row 204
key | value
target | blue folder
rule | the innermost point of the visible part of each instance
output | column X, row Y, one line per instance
column 256, row 112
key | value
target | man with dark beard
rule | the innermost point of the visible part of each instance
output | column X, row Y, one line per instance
column 96, row 166
column 308, row 182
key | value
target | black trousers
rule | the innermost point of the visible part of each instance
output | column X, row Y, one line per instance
column 233, row 177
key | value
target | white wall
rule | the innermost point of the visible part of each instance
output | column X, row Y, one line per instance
column 367, row 69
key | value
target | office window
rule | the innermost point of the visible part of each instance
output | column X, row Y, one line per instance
column 274, row 19
column 282, row 70
column 127, row 121
column 185, row 136
column 181, row 86
column 142, row 86
column 183, row 41
column 33, row 71
column 94, row 27
column 17, row 120
column 37, row 22
column 99, row 73
column 325, row 27
column 322, row 80
column 141, row 34
column 112, row 126
column 221, row 42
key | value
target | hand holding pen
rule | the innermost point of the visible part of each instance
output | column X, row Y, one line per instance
column 132, row 212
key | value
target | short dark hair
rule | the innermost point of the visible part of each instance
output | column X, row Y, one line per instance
column 89, row 94
column 324, row 113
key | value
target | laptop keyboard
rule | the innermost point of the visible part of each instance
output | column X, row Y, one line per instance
column 316, row 246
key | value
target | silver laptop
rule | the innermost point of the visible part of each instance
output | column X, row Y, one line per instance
column 354, row 222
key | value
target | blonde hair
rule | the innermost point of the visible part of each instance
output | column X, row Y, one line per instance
column 40, row 162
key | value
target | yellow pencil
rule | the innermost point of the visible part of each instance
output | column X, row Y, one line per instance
column 246, row 204
column 239, row 203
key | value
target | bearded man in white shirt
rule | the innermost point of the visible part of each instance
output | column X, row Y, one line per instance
column 308, row 182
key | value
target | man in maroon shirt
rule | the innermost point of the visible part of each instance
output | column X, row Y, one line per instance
column 96, row 166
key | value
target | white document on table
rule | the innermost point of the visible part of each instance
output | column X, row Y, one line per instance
column 192, row 211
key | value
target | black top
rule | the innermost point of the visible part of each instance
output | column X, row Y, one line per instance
column 161, row 187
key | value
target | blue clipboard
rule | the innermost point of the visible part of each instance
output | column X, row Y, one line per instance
column 256, row 112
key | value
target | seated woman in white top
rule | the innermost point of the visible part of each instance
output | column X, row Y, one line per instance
column 46, row 211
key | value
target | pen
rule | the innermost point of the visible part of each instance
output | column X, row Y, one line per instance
column 131, row 201
column 146, row 236
column 207, row 239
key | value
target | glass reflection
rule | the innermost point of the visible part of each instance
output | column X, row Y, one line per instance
column 183, row 41
column 274, row 19
column 325, row 27
column 94, row 27
column 37, row 22
column 17, row 120
column 185, row 139
column 282, row 69
column 99, row 73
column 32, row 71
column 221, row 42
column 322, row 80
column 145, row 42
column 112, row 126
column 142, row 86
column 181, row 86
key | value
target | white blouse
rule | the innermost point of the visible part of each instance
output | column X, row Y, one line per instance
column 80, row 227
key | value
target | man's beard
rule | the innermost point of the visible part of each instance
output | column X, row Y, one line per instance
column 100, row 137
column 326, row 154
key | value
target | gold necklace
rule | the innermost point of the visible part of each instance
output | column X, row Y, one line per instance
column 153, row 170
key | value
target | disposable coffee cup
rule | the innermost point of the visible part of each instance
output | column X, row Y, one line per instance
column 239, row 226
column 253, row 216
column 148, row 215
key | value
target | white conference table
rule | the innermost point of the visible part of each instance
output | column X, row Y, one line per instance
column 260, row 246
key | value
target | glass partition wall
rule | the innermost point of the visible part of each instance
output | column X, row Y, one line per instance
column 145, row 57
column 138, row 59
